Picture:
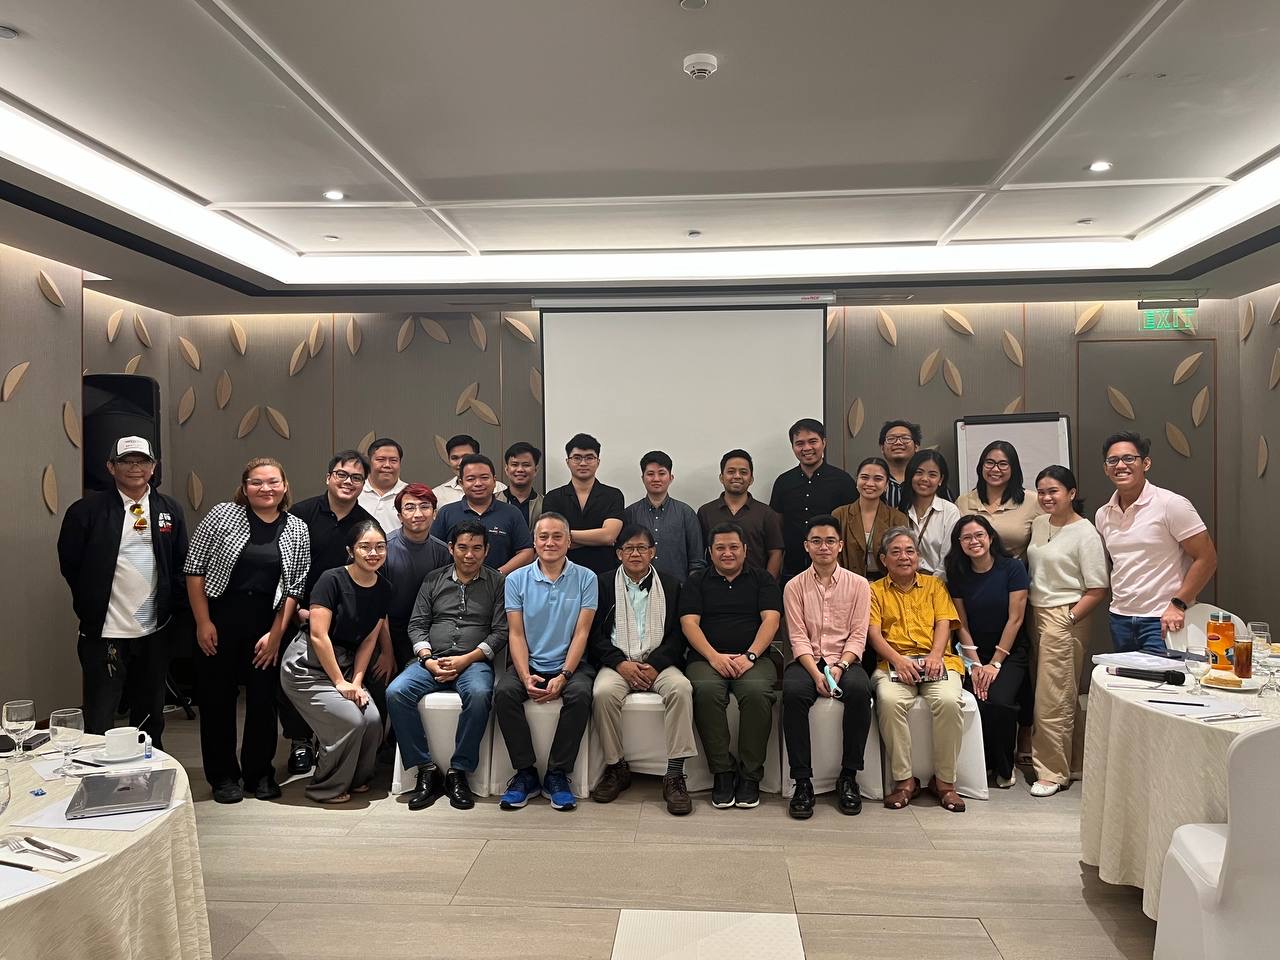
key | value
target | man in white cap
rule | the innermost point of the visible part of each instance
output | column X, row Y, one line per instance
column 121, row 551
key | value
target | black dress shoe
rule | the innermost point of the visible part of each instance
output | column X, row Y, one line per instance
column 228, row 793
column 723, row 790
column 302, row 757
column 801, row 805
column 267, row 788
column 430, row 788
column 458, row 790
column 848, row 796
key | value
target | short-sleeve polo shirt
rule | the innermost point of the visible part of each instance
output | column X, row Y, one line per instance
column 796, row 497
column 508, row 531
column 550, row 609
column 729, row 610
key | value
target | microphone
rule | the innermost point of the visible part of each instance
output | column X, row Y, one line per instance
column 1175, row 678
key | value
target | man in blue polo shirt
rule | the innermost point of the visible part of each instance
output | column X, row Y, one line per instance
column 550, row 606
column 510, row 545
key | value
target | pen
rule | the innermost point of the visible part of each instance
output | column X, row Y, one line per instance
column 1180, row 703
column 87, row 763
column 20, row 866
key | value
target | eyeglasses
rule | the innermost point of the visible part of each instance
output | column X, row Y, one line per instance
column 343, row 477
column 136, row 462
column 973, row 537
column 636, row 548
column 823, row 541
column 139, row 521
column 410, row 508
column 1129, row 459
column 584, row 458
column 271, row 484
column 367, row 548
column 996, row 464
column 897, row 440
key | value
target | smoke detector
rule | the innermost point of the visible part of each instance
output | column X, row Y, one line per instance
column 701, row 65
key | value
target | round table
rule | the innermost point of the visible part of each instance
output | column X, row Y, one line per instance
column 1147, row 772
column 144, row 898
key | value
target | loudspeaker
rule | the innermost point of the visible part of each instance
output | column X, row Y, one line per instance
column 117, row 405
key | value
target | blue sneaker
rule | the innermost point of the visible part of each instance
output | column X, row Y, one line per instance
column 556, row 787
column 519, row 789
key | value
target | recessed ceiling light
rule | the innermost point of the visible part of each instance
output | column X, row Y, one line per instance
column 332, row 237
column 1085, row 221
column 7, row 32
column 1100, row 166
column 693, row 4
column 694, row 234
column 334, row 195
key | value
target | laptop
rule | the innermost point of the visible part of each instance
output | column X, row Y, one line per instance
column 104, row 794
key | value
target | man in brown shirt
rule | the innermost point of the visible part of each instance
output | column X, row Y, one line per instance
column 761, row 525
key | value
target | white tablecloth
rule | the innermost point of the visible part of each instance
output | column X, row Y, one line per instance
column 145, row 898
column 1146, row 773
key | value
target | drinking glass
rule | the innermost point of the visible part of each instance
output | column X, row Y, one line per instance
column 1196, row 667
column 66, row 727
column 1261, row 639
column 18, row 719
column 4, row 789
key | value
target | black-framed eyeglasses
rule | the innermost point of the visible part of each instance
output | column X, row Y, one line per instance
column 343, row 477
column 1128, row 459
column 996, row 464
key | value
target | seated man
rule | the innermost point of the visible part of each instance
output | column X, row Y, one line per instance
column 910, row 628
column 827, row 608
column 459, row 625
column 550, row 606
column 636, row 645
column 729, row 614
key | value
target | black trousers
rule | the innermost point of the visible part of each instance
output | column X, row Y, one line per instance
column 240, row 620
column 799, row 694
column 1000, row 711
column 509, row 696
column 135, row 669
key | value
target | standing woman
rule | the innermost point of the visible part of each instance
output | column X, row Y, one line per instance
column 930, row 515
column 1068, row 580
column 867, row 520
column 246, row 567
column 1000, row 498
column 989, row 588
column 324, row 667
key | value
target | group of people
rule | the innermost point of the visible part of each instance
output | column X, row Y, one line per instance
column 354, row 604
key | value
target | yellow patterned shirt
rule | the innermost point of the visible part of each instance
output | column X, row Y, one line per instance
column 906, row 618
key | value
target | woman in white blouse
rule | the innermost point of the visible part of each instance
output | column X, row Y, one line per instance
column 931, row 516
column 1068, row 580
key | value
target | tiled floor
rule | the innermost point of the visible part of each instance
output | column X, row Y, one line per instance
column 1002, row 881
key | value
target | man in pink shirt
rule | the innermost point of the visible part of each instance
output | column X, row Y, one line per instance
column 1161, row 553
column 827, row 608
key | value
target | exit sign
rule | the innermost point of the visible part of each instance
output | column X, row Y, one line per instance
column 1158, row 320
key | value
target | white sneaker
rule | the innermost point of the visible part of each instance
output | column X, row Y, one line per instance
column 1039, row 789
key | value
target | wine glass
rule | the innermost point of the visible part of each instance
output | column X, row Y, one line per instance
column 4, row 789
column 1196, row 666
column 18, row 719
column 67, row 727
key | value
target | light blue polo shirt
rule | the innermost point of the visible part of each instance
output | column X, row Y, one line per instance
column 550, row 609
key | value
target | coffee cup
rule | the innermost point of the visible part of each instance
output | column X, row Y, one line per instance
column 123, row 743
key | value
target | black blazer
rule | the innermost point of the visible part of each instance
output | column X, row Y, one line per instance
column 600, row 648
column 89, row 543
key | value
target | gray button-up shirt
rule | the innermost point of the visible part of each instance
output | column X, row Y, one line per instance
column 451, row 618
column 677, row 533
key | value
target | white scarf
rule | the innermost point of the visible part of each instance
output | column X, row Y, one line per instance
column 625, row 631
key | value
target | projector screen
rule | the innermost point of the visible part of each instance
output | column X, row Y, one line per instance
column 694, row 383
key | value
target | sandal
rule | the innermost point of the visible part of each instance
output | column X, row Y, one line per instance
column 363, row 788
column 903, row 796
column 948, row 799
column 340, row 798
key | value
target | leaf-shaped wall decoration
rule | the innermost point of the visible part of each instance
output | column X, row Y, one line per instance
column 857, row 416
column 478, row 334
column 1275, row 315
column 113, row 325
column 315, row 339
column 353, row 336
column 484, row 412
column 222, row 390
column 1014, row 405
column 519, row 328
column 957, row 321
column 299, row 358
column 1089, row 319
column 71, row 423
column 187, row 405
column 535, row 383
column 1012, row 348
column 195, row 490
column 189, row 353
column 1187, row 368
column 929, row 369
column 1246, row 327
column 888, row 329
column 1200, row 406
column 140, row 330
column 12, row 379
column 468, row 394
column 278, row 422
column 1120, row 403
column 1263, row 456
column 49, row 488
column 239, row 339
column 1275, row 370
column 405, row 336
column 434, row 330
column 367, row 439
column 248, row 422
column 441, row 452
column 951, row 374
column 1177, row 439
column 132, row 365
column 49, row 290
column 833, row 321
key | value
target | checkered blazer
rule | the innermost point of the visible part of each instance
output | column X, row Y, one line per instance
column 216, row 544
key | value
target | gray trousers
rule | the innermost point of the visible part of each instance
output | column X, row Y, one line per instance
column 348, row 736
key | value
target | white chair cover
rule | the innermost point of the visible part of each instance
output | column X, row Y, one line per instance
column 826, row 736
column 440, row 712
column 971, row 767
column 1194, row 624
column 643, row 738
column 698, row 774
column 542, row 718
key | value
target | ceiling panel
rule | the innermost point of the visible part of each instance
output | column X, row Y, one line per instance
column 1115, row 211
column 1198, row 99
column 508, row 98
column 359, row 229
column 161, row 83
column 723, row 223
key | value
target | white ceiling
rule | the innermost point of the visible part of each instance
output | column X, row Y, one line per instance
column 496, row 126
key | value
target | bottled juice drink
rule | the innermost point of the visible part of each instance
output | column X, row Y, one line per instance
column 1220, row 639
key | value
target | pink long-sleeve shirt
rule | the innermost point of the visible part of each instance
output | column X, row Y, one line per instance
column 828, row 622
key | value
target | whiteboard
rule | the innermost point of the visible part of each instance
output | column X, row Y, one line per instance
column 1041, row 439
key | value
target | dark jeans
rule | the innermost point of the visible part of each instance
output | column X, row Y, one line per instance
column 1137, row 633
column 240, row 619
column 509, row 696
column 799, row 695
column 136, row 672
column 474, row 685
column 999, row 715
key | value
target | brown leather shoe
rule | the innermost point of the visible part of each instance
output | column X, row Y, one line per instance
column 616, row 778
column 676, row 793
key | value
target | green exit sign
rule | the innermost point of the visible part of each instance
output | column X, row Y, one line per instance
column 1160, row 320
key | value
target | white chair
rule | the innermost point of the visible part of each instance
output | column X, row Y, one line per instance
column 1194, row 623
column 440, row 712
column 1218, row 889
column 698, row 774
column 826, row 742
column 971, row 765
column 644, row 739
column 542, row 719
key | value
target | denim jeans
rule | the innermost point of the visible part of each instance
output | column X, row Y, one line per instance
column 1137, row 633
column 474, row 685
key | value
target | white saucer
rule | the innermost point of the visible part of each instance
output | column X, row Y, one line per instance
column 1252, row 685
column 100, row 756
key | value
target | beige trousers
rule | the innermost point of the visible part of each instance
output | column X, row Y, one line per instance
column 677, row 698
column 893, row 700
column 1058, row 650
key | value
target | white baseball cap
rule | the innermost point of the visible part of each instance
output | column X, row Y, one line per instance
column 127, row 445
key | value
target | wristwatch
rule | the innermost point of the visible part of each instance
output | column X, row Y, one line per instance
column 567, row 674
column 751, row 656
column 842, row 665
column 1177, row 602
